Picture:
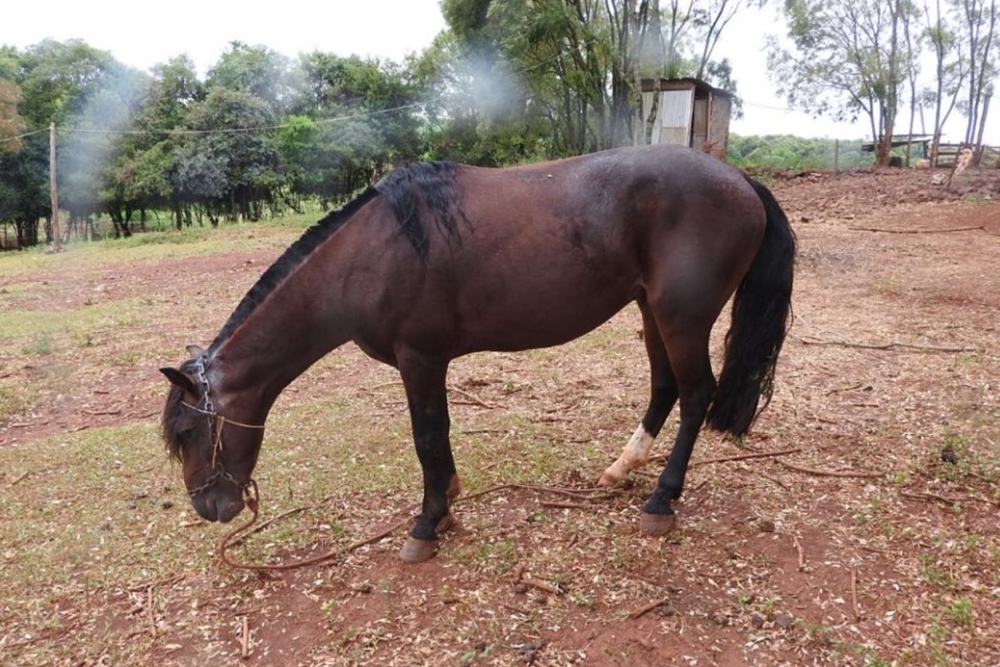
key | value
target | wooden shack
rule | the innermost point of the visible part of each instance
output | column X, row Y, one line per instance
column 684, row 111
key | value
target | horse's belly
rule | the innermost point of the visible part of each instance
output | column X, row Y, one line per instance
column 543, row 317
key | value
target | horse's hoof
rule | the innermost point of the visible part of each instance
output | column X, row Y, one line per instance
column 417, row 551
column 607, row 480
column 656, row 525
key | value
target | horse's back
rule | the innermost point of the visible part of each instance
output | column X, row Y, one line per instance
column 552, row 250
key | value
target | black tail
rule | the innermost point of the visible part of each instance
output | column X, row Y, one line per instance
column 761, row 309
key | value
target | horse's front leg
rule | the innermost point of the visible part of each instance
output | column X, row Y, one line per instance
column 426, row 394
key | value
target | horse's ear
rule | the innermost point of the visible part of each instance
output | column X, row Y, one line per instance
column 195, row 350
column 179, row 379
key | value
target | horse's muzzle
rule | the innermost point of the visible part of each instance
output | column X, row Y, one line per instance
column 217, row 507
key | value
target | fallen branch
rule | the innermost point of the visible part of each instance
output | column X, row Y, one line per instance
column 924, row 495
column 565, row 506
column 541, row 585
column 475, row 400
column 859, row 385
column 472, row 397
column 778, row 482
column 18, row 478
column 802, row 556
column 159, row 582
column 891, row 345
column 854, row 594
column 239, row 534
column 516, row 609
column 102, row 413
column 917, row 231
column 831, row 473
column 224, row 545
column 245, row 640
column 642, row 611
column 151, row 612
column 742, row 457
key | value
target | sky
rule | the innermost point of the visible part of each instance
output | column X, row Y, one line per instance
column 389, row 29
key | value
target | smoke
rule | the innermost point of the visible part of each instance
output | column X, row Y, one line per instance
column 87, row 145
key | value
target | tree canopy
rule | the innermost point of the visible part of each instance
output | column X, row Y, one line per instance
column 507, row 81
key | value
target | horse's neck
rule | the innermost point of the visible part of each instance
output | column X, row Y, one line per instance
column 284, row 335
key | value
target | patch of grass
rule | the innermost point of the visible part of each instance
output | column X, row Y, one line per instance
column 90, row 515
column 934, row 573
column 14, row 399
column 76, row 324
column 960, row 612
column 39, row 345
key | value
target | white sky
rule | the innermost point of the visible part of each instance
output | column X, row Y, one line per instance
column 390, row 29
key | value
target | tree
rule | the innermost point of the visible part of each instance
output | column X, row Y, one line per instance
column 252, row 69
column 575, row 64
column 161, row 122
column 11, row 123
column 58, row 80
column 979, row 18
column 352, row 120
column 230, row 162
column 950, row 69
column 847, row 61
column 91, row 141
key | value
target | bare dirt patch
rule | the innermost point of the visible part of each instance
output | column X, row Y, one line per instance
column 877, row 541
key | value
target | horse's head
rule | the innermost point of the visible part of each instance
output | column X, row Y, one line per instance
column 217, row 454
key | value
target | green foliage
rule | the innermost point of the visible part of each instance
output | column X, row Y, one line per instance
column 510, row 81
column 795, row 153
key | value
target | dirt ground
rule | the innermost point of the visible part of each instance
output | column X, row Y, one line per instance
column 866, row 533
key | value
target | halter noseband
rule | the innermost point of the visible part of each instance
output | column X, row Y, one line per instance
column 215, row 430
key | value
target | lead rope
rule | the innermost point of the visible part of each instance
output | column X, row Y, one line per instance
column 252, row 501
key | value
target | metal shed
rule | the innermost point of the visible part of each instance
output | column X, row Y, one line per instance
column 684, row 111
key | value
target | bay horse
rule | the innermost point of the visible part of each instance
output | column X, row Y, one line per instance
column 439, row 260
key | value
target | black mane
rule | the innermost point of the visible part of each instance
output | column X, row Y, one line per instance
column 433, row 181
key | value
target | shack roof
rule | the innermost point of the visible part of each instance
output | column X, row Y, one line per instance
column 652, row 85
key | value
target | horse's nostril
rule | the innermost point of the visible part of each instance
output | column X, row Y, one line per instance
column 227, row 510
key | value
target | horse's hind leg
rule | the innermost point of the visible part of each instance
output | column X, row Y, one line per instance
column 426, row 394
column 690, row 361
column 662, row 396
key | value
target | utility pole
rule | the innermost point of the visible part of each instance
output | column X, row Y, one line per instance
column 53, row 189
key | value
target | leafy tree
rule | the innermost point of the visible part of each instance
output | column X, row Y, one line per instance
column 950, row 68
column 353, row 119
column 11, row 123
column 90, row 148
column 574, row 64
column 256, row 70
column 58, row 80
column 24, row 190
column 447, row 81
column 160, row 125
column 979, row 20
column 230, row 162
column 846, row 61
column 794, row 153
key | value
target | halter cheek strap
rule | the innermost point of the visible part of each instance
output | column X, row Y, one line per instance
column 216, row 423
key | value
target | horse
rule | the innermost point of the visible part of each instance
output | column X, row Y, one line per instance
column 439, row 260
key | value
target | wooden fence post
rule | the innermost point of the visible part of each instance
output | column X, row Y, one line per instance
column 53, row 188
